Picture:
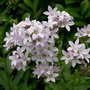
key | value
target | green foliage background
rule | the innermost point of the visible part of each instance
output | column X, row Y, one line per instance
column 13, row 11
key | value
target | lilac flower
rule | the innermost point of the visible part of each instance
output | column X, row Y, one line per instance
column 67, row 56
column 49, row 72
column 19, row 59
column 50, row 24
column 76, row 53
column 35, row 40
column 83, row 31
column 61, row 19
column 51, row 12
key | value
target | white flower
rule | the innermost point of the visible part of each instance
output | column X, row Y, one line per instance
column 52, row 77
column 35, row 40
column 39, row 70
column 84, row 32
column 24, row 24
column 75, row 61
column 67, row 56
column 45, row 54
column 17, row 36
column 65, row 20
column 76, row 53
column 9, row 43
column 49, row 72
column 53, row 34
column 61, row 19
column 51, row 12
column 50, row 24
column 78, row 50
column 36, row 30
column 19, row 59
column 80, row 33
column 74, row 46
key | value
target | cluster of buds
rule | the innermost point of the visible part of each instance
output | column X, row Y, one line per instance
column 35, row 41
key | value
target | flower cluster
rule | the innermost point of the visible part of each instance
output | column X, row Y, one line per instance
column 35, row 41
column 19, row 59
column 62, row 19
column 50, row 72
column 84, row 32
column 76, row 53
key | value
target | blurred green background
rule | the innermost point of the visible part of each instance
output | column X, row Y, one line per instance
column 13, row 11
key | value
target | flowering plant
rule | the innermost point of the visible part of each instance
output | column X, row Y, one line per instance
column 34, row 41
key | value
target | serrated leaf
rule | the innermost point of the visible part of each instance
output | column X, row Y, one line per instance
column 84, row 6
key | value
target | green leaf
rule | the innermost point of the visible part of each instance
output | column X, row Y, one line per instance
column 5, row 18
column 66, row 72
column 22, row 86
column 84, row 6
column 32, row 86
column 83, row 86
column 4, row 81
column 25, row 15
column 37, row 14
column 18, row 77
column 59, row 86
column 70, row 1
column 72, row 12
column 35, row 5
column 59, row 7
column 1, row 62
column 28, row 3
column 8, row 66
column 49, row 86
column 24, row 7
column 1, row 34
column 80, row 23
column 2, row 1
column 87, row 15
